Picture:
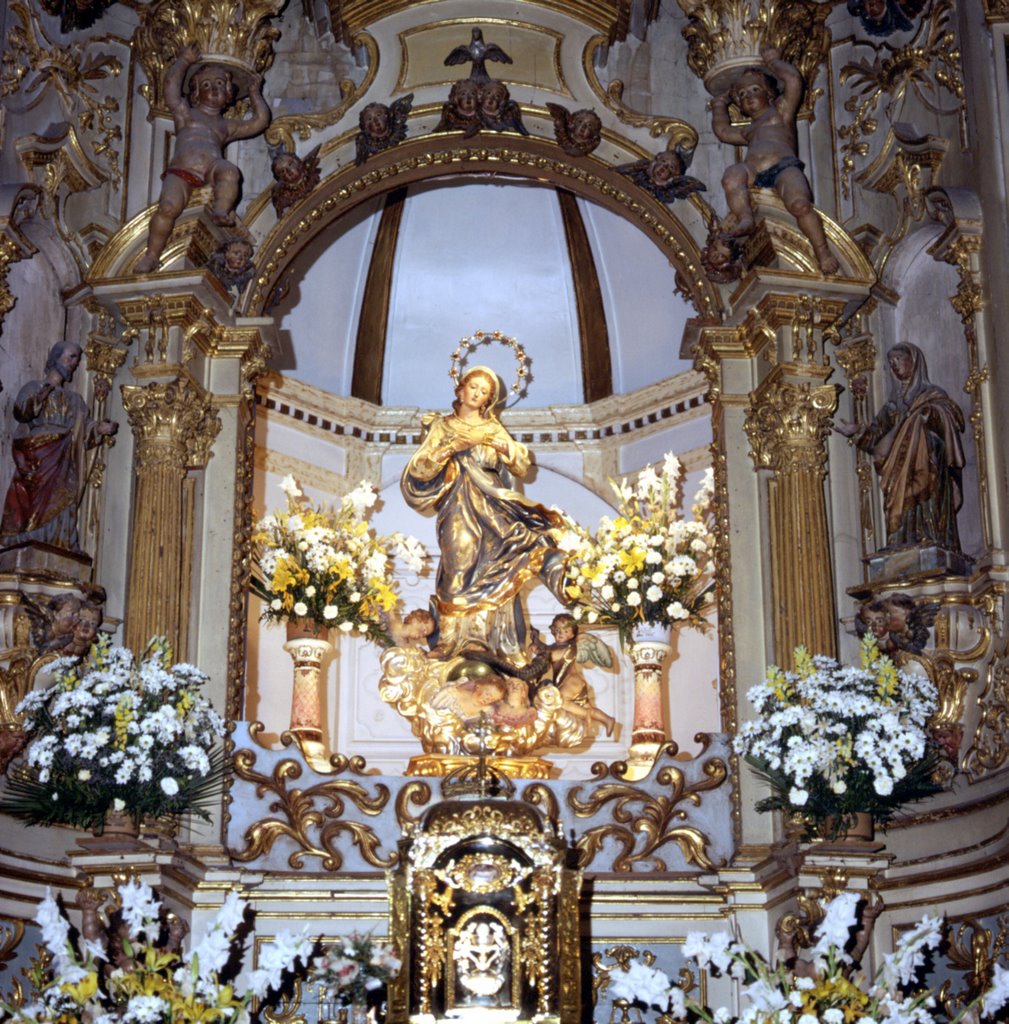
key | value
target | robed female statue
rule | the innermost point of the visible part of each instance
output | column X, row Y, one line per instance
column 493, row 539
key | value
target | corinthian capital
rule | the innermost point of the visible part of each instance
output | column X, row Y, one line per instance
column 788, row 424
column 175, row 424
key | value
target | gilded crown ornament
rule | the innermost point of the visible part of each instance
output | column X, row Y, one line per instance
column 236, row 34
column 726, row 36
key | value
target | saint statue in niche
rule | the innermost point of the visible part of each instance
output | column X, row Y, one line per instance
column 54, row 433
column 916, row 449
column 493, row 539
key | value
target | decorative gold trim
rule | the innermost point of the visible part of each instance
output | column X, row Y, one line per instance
column 608, row 16
column 235, row 32
column 725, row 36
column 656, row 820
column 532, row 157
column 300, row 816
column 612, row 96
column 283, row 130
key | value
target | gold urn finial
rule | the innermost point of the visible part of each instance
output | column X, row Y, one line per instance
column 725, row 36
column 236, row 33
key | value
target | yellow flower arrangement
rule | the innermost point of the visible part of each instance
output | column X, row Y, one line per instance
column 327, row 565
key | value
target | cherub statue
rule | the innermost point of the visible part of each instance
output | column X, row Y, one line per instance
column 884, row 17
column 232, row 264
column 294, row 177
column 201, row 134
column 771, row 159
column 571, row 650
column 578, row 133
column 382, row 127
column 477, row 52
column 664, row 175
column 720, row 256
column 444, row 698
column 53, row 620
column 873, row 617
column 898, row 622
column 461, row 111
column 909, row 621
column 498, row 111
column 414, row 629
column 89, row 621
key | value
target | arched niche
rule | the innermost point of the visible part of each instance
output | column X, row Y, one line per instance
column 428, row 157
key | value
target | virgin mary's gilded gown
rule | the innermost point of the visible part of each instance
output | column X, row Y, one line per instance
column 492, row 539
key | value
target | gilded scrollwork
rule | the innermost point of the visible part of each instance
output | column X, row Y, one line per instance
column 990, row 748
column 927, row 65
column 12, row 931
column 622, row 957
column 312, row 818
column 973, row 950
column 283, row 130
column 416, row 794
column 32, row 64
column 641, row 832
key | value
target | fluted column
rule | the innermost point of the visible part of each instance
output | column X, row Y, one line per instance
column 174, row 425
column 787, row 425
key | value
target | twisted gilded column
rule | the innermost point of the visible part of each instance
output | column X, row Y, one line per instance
column 787, row 425
column 174, row 426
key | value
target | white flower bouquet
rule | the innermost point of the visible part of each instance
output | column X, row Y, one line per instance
column 327, row 566
column 833, row 740
column 358, row 965
column 121, row 974
column 825, row 989
column 112, row 734
column 648, row 565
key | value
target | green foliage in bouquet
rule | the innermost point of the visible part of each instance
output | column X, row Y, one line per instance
column 135, row 971
column 116, row 735
column 826, row 988
column 327, row 565
column 649, row 564
column 833, row 740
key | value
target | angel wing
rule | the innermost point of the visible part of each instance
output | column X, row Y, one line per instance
column 560, row 115
column 40, row 616
column 591, row 650
column 918, row 623
column 398, row 111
